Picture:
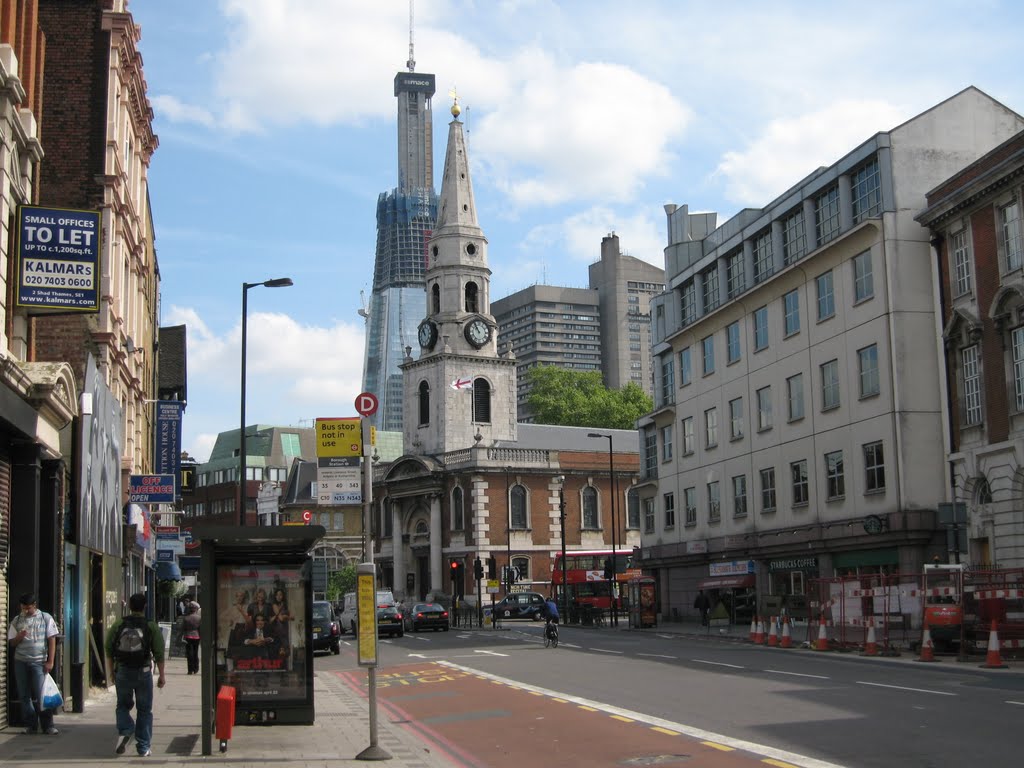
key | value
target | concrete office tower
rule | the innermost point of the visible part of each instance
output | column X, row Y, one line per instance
column 549, row 325
column 625, row 286
column 405, row 218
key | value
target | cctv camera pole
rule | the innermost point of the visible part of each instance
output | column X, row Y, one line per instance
column 368, row 571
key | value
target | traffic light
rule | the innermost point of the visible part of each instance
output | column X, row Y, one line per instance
column 492, row 568
column 478, row 569
column 608, row 569
column 454, row 565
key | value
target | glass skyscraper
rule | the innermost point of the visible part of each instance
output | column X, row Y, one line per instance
column 405, row 218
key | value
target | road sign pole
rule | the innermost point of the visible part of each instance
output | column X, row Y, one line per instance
column 374, row 751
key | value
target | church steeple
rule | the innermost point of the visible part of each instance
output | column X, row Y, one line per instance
column 459, row 392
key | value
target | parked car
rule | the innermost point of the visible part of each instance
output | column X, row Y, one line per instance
column 390, row 621
column 520, row 605
column 326, row 628
column 427, row 616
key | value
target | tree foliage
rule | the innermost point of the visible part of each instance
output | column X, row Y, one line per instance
column 570, row 398
column 340, row 582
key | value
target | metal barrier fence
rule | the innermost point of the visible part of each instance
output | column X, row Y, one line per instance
column 962, row 607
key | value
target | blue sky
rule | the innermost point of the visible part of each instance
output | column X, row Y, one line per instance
column 277, row 126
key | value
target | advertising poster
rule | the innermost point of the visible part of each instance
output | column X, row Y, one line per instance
column 261, row 633
column 58, row 259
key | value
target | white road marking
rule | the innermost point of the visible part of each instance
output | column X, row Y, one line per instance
column 657, row 655
column 796, row 674
column 1018, row 703
column 718, row 663
column 698, row 733
column 904, row 688
column 603, row 650
column 490, row 653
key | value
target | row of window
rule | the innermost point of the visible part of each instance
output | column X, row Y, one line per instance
column 230, row 475
column 799, row 490
column 970, row 378
column 863, row 283
column 519, row 516
column 1011, row 239
column 866, row 202
column 867, row 362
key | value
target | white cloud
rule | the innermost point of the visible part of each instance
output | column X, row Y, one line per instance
column 591, row 130
column 579, row 236
column 295, row 373
column 790, row 148
column 177, row 111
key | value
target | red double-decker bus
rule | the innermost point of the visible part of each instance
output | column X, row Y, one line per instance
column 585, row 576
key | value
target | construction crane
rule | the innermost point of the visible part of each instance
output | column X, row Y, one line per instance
column 411, row 63
column 364, row 309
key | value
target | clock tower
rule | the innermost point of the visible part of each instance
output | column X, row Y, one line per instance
column 458, row 391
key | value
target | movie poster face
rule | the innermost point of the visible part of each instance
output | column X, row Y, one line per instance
column 261, row 631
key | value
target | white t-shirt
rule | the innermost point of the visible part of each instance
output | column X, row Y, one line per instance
column 41, row 627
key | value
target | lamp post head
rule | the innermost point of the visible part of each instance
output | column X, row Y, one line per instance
column 278, row 282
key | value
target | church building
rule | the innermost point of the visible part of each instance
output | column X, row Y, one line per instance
column 473, row 483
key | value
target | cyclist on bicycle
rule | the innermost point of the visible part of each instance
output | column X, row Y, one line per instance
column 550, row 615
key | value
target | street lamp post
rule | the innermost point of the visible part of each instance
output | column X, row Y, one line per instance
column 508, row 533
column 279, row 282
column 561, row 516
column 611, row 493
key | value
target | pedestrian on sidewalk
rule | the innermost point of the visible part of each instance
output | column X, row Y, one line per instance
column 702, row 604
column 133, row 644
column 190, row 634
column 33, row 637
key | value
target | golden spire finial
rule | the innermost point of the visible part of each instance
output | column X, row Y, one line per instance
column 456, row 109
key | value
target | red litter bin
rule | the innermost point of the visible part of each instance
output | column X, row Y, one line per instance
column 225, row 714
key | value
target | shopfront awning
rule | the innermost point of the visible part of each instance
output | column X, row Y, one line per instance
column 727, row 582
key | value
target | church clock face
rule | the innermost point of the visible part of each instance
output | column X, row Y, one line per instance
column 428, row 334
column 478, row 332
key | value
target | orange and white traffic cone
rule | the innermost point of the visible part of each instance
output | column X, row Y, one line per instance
column 753, row 629
column 759, row 632
column 822, row 643
column 773, row 635
column 871, row 644
column 787, row 639
column 927, row 648
column 992, row 659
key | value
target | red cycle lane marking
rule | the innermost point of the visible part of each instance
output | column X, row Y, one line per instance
column 498, row 728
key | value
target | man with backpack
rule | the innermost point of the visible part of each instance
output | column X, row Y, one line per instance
column 133, row 644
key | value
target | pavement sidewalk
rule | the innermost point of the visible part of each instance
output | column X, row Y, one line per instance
column 340, row 732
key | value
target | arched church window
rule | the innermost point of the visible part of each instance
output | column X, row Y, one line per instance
column 589, row 505
column 518, row 517
column 424, row 397
column 633, row 509
column 472, row 297
column 458, row 513
column 481, row 401
column 435, row 298
column 421, row 528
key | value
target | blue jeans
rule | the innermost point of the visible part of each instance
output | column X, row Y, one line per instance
column 135, row 689
column 29, row 678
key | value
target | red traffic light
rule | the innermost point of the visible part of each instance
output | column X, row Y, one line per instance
column 455, row 565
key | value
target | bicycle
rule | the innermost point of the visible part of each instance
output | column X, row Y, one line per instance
column 599, row 618
column 551, row 635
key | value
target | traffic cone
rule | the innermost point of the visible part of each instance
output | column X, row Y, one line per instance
column 992, row 659
column 822, row 643
column 759, row 632
column 773, row 636
column 753, row 628
column 927, row 648
column 870, row 645
column 787, row 640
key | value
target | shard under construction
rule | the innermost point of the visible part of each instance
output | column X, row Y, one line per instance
column 405, row 217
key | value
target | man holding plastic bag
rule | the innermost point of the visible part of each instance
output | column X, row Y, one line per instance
column 33, row 636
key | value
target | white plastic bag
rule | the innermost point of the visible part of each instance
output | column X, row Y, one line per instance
column 51, row 698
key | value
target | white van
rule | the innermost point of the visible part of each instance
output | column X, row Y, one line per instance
column 349, row 617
